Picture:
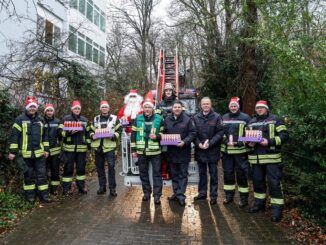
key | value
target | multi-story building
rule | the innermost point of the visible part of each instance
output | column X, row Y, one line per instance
column 76, row 28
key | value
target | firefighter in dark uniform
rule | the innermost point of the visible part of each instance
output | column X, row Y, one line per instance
column 179, row 156
column 75, row 145
column 105, row 147
column 207, row 148
column 51, row 124
column 29, row 140
column 266, row 160
column 234, row 154
column 145, row 138
column 165, row 106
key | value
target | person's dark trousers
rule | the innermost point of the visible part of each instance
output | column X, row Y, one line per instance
column 53, row 170
column 100, row 159
column 235, row 166
column 143, row 164
column 274, row 173
column 202, row 185
column 80, row 159
column 179, row 174
column 36, row 174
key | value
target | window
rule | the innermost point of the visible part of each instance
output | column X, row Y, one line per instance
column 89, row 49
column 73, row 4
column 96, row 16
column 102, row 21
column 84, row 46
column 81, row 45
column 72, row 44
column 57, row 36
column 82, row 6
column 102, row 57
column 48, row 32
column 89, row 13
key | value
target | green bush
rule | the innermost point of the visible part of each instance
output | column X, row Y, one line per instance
column 10, row 178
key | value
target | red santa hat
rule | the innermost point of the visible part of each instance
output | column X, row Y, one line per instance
column 149, row 99
column 48, row 107
column 262, row 103
column 133, row 92
column 75, row 104
column 104, row 103
column 30, row 101
column 234, row 101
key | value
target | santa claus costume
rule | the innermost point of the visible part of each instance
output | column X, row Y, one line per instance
column 131, row 109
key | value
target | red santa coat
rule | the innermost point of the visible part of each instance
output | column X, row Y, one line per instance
column 121, row 114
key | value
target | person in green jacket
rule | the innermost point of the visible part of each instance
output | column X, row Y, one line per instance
column 145, row 138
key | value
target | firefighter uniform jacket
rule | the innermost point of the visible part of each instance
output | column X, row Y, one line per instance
column 52, row 131
column 28, row 136
column 165, row 106
column 110, row 122
column 79, row 141
column 141, row 129
column 275, row 132
column 234, row 124
column 184, row 126
column 208, row 127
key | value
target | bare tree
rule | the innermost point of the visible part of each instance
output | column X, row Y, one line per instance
column 137, row 16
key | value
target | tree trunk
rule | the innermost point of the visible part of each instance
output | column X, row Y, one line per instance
column 248, row 66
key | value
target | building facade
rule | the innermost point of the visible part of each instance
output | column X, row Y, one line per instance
column 76, row 28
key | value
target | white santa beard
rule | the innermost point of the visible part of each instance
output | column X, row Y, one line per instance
column 132, row 110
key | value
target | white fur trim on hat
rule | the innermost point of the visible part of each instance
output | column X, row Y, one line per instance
column 76, row 106
column 148, row 103
column 31, row 104
column 262, row 105
column 104, row 105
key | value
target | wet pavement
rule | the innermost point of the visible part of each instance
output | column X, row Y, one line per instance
column 93, row 219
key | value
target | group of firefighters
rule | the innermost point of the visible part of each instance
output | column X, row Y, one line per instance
column 43, row 143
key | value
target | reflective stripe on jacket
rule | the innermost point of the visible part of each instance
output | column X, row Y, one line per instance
column 28, row 136
column 234, row 124
column 275, row 132
column 141, row 129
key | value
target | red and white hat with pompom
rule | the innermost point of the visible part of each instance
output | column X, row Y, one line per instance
column 262, row 103
column 75, row 104
column 149, row 99
column 48, row 107
column 234, row 101
column 104, row 103
column 30, row 101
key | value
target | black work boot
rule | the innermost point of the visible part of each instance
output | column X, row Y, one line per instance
column 101, row 190
column 243, row 200
column 256, row 209
column 82, row 190
column 228, row 200
column 113, row 192
column 44, row 197
column 276, row 213
column 243, row 203
column 200, row 197
column 30, row 196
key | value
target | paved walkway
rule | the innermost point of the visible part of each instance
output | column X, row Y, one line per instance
column 93, row 219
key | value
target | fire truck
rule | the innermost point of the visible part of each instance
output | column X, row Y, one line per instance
column 168, row 73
